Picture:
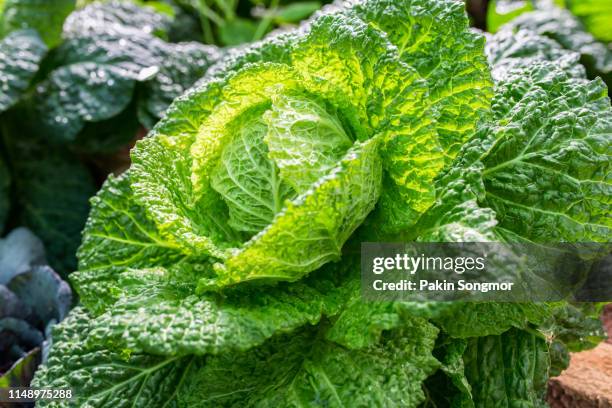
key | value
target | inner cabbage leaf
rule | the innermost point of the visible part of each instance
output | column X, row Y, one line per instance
column 248, row 180
column 305, row 141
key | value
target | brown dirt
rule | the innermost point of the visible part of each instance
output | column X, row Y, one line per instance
column 587, row 382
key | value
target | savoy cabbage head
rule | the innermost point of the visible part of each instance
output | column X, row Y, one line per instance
column 221, row 269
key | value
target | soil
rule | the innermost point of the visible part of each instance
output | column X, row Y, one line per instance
column 587, row 382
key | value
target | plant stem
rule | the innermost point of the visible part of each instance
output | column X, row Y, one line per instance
column 208, row 34
column 227, row 6
column 265, row 21
column 210, row 13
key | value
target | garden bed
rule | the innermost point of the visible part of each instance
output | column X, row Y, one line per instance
column 587, row 383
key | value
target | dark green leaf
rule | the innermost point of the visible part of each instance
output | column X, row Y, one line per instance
column 10, row 305
column 117, row 13
column 52, row 189
column 507, row 370
column 94, row 72
column 511, row 49
column 106, row 378
column 44, row 16
column 560, row 26
column 20, row 56
column 303, row 370
column 5, row 191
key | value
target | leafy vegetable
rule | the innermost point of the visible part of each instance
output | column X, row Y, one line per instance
column 510, row 369
column 5, row 183
column 534, row 145
column 40, row 174
column 562, row 27
column 33, row 299
column 569, row 33
column 220, row 269
column 510, row 49
column 45, row 17
column 108, row 49
column 15, row 78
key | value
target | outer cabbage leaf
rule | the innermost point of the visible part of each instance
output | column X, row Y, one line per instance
column 551, row 134
column 507, row 370
column 157, row 315
column 467, row 209
column 361, row 324
column 575, row 326
column 46, row 17
column 301, row 369
column 434, row 37
column 117, row 235
column 104, row 378
column 275, row 48
column 448, row 386
column 20, row 56
column 305, row 370
column 559, row 147
column 463, row 320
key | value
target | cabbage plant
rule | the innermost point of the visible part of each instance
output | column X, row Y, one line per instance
column 33, row 298
column 222, row 269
